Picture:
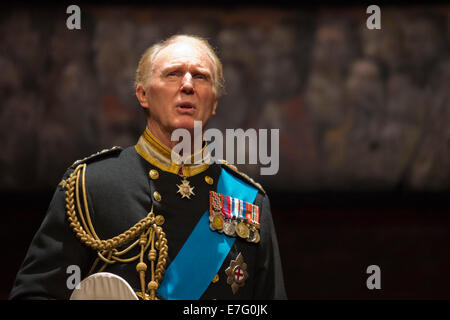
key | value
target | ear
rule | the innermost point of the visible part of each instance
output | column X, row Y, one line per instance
column 214, row 108
column 141, row 95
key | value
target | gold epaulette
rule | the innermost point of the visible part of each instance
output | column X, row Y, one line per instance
column 95, row 155
column 243, row 175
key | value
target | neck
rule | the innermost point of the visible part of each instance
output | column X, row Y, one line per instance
column 162, row 135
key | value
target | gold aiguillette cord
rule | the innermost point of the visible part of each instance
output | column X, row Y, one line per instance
column 146, row 232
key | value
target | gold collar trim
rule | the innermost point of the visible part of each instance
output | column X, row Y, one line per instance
column 156, row 153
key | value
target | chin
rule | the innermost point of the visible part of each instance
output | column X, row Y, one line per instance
column 185, row 123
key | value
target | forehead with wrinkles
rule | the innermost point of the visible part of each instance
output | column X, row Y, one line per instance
column 182, row 53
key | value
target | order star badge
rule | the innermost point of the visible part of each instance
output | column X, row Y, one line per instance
column 237, row 273
column 185, row 189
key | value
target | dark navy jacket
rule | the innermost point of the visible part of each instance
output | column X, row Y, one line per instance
column 119, row 195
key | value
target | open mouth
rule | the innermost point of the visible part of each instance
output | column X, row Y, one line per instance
column 185, row 105
column 186, row 108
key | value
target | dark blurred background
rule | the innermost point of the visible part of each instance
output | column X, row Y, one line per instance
column 363, row 117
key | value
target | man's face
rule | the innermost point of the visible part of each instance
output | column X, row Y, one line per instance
column 180, row 90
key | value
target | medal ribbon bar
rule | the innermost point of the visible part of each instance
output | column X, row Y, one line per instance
column 233, row 209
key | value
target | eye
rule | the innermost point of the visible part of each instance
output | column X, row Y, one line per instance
column 200, row 76
column 172, row 74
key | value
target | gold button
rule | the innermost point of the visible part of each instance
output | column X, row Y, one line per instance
column 216, row 278
column 159, row 220
column 209, row 180
column 156, row 196
column 154, row 174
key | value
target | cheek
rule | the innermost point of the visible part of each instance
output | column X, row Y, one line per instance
column 209, row 97
column 158, row 94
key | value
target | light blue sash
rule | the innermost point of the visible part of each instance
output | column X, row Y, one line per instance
column 202, row 255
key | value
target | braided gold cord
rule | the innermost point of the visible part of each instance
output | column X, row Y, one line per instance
column 87, row 238
column 163, row 252
column 145, row 230
column 119, row 253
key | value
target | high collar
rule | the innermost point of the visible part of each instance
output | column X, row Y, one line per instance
column 159, row 155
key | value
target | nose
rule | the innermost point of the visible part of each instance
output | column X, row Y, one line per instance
column 187, row 86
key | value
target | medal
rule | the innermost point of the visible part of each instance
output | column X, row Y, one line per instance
column 237, row 273
column 233, row 216
column 257, row 237
column 242, row 230
column 185, row 189
column 251, row 234
column 216, row 223
column 228, row 229
column 254, row 235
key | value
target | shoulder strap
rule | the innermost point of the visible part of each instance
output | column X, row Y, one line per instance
column 233, row 169
column 97, row 155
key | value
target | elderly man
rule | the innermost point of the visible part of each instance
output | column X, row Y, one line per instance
column 148, row 226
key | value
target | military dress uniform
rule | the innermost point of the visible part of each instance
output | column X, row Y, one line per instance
column 163, row 227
